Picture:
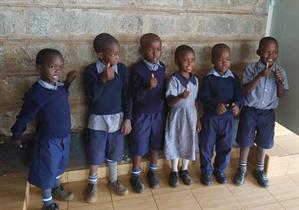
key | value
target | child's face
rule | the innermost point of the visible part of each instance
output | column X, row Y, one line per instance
column 186, row 62
column 222, row 61
column 52, row 70
column 268, row 53
column 110, row 55
column 152, row 51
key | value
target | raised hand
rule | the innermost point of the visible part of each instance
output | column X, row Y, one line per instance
column 153, row 82
column 70, row 77
column 278, row 75
column 186, row 92
column 108, row 74
column 266, row 72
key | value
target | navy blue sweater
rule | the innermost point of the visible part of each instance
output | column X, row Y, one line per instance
column 110, row 97
column 215, row 90
column 49, row 108
column 147, row 100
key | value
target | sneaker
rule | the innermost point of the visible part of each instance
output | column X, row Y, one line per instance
column 173, row 179
column 137, row 183
column 61, row 194
column 118, row 188
column 220, row 177
column 239, row 177
column 90, row 195
column 153, row 179
column 185, row 177
column 52, row 206
column 206, row 179
column 261, row 177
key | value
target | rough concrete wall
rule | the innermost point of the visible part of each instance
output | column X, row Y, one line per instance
column 71, row 25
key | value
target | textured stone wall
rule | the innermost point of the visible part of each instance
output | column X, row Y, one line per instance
column 26, row 26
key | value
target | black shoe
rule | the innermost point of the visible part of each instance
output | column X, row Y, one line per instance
column 239, row 177
column 173, row 179
column 206, row 179
column 185, row 177
column 152, row 178
column 137, row 183
column 52, row 206
column 220, row 177
column 261, row 177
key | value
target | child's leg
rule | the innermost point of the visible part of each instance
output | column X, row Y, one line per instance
column 184, row 174
column 60, row 193
column 91, row 190
column 174, row 176
column 135, row 179
column 152, row 172
column 259, row 172
column 47, row 197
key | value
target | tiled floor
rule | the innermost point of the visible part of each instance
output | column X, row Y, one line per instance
column 282, row 194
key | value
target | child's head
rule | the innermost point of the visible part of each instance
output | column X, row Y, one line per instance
column 107, row 48
column 185, row 58
column 221, row 57
column 50, row 64
column 151, row 47
column 268, row 50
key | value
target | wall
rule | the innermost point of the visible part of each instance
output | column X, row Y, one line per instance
column 285, row 27
column 71, row 25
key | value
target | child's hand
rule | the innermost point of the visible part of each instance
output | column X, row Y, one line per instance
column 278, row 75
column 235, row 109
column 198, row 125
column 70, row 77
column 266, row 72
column 109, row 73
column 221, row 108
column 186, row 93
column 126, row 127
column 153, row 82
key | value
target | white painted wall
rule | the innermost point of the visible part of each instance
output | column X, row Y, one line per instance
column 285, row 27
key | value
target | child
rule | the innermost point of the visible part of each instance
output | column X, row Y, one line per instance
column 264, row 83
column 221, row 95
column 106, row 84
column 47, row 103
column 147, row 89
column 181, row 138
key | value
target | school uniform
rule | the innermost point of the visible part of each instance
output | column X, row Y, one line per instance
column 148, row 108
column 109, row 105
column 181, row 137
column 48, row 105
column 257, row 118
column 217, row 130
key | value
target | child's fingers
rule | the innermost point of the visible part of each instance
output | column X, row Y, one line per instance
column 152, row 75
column 108, row 65
column 267, row 65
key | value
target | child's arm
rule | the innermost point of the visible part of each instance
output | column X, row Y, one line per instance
column 238, row 96
column 70, row 77
column 28, row 112
column 198, row 123
column 173, row 100
column 250, row 86
column 126, row 103
column 204, row 95
column 279, row 80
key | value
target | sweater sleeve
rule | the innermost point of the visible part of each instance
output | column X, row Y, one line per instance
column 27, row 114
column 137, row 89
column 126, row 99
column 94, row 84
column 238, row 92
column 205, row 95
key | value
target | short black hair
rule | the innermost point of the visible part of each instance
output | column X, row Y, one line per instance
column 181, row 50
column 147, row 38
column 266, row 40
column 103, row 41
column 216, row 49
column 45, row 55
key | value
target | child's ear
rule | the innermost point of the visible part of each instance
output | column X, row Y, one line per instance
column 258, row 51
column 140, row 51
column 39, row 68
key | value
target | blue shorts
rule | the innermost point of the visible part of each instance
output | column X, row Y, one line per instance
column 256, row 126
column 50, row 158
column 102, row 146
column 217, row 133
column 147, row 133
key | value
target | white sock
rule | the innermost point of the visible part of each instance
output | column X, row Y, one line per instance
column 174, row 164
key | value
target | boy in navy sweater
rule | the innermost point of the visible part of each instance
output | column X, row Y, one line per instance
column 106, row 87
column 264, row 83
column 46, row 102
column 221, row 94
column 147, row 90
